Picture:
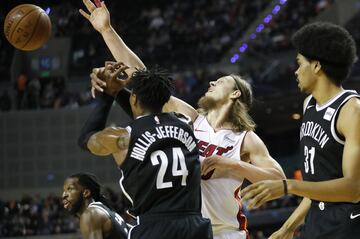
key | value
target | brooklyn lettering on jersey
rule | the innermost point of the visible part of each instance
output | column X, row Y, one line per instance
column 315, row 131
column 207, row 149
column 143, row 143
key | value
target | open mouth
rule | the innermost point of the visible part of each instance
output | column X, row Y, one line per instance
column 66, row 204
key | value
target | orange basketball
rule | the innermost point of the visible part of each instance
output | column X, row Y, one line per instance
column 27, row 27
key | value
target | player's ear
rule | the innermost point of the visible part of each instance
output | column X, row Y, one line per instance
column 316, row 66
column 86, row 193
column 235, row 95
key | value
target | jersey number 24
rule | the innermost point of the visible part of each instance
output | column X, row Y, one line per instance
column 178, row 166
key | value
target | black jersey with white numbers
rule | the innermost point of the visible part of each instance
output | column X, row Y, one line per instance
column 161, row 172
column 321, row 144
column 119, row 227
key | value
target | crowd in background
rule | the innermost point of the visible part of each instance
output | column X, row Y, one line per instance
column 33, row 215
column 181, row 36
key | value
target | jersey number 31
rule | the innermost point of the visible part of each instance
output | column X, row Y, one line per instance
column 178, row 167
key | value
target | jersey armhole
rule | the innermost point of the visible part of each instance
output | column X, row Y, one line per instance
column 336, row 135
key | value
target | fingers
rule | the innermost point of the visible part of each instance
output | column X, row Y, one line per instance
column 89, row 5
column 207, row 165
column 103, row 5
column 84, row 14
column 93, row 92
column 258, row 200
column 120, row 70
column 97, row 83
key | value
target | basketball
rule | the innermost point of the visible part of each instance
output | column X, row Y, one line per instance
column 27, row 27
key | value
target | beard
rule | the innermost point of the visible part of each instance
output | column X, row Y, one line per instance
column 76, row 206
column 206, row 103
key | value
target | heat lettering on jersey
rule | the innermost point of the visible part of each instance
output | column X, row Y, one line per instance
column 143, row 143
column 314, row 131
column 207, row 149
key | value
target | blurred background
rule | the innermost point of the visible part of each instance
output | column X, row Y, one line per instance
column 45, row 97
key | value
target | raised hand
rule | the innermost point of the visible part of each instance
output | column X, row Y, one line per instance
column 99, row 17
column 111, row 78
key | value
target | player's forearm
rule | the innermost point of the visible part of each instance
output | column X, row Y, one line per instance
column 96, row 121
column 119, row 50
column 337, row 190
column 255, row 174
column 298, row 216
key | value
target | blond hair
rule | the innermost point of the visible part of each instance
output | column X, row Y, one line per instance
column 239, row 113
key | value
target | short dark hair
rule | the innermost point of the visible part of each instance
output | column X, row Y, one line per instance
column 153, row 88
column 331, row 45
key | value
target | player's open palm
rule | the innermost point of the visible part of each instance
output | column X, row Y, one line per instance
column 282, row 233
column 98, row 15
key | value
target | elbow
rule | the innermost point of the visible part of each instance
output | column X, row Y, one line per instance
column 83, row 141
column 355, row 195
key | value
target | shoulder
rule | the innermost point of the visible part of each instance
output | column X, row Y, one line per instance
column 349, row 116
column 252, row 143
column 93, row 215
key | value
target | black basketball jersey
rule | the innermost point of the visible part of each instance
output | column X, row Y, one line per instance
column 161, row 172
column 119, row 227
column 322, row 146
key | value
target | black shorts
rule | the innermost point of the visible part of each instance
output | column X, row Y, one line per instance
column 332, row 221
column 174, row 226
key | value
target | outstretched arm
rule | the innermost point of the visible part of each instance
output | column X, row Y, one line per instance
column 344, row 189
column 99, row 17
column 100, row 20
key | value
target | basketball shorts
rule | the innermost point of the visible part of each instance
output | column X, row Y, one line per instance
column 332, row 221
column 231, row 235
column 175, row 226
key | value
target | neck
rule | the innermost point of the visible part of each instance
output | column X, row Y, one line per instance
column 84, row 206
column 218, row 117
column 325, row 91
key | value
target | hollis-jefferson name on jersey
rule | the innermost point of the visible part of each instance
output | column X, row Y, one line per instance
column 143, row 143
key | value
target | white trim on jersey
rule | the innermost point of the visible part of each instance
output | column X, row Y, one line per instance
column 307, row 103
column 332, row 127
column 137, row 224
column 123, row 189
column 319, row 108
column 128, row 129
column 98, row 207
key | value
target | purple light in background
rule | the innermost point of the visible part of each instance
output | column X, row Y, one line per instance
column 234, row 58
column 245, row 46
column 276, row 9
column 253, row 36
column 48, row 10
column 282, row 2
column 242, row 49
column 260, row 28
column 268, row 18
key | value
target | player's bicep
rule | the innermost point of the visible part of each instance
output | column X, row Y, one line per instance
column 349, row 120
column 96, row 147
column 258, row 154
column 177, row 105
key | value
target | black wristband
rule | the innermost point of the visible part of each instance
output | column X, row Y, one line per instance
column 285, row 187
